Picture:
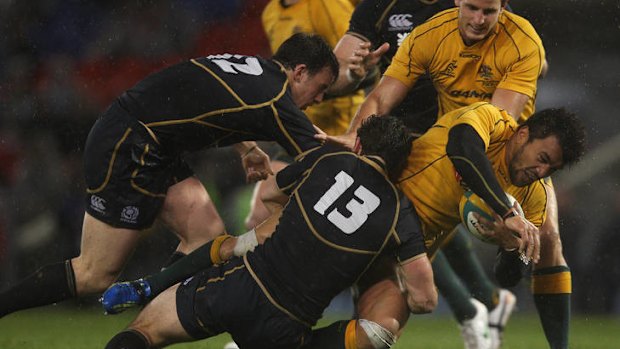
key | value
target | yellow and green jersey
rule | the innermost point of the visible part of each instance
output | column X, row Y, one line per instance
column 432, row 183
column 510, row 58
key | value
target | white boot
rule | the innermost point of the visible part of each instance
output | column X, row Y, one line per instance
column 499, row 316
column 475, row 331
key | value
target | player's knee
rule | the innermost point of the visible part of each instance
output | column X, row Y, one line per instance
column 380, row 337
column 92, row 277
column 550, row 248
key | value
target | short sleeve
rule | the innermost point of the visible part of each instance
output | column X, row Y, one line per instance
column 409, row 232
column 410, row 60
column 489, row 122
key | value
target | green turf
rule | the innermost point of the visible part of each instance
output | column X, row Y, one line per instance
column 63, row 327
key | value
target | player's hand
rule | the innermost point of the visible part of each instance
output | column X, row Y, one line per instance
column 363, row 60
column 256, row 165
column 346, row 140
column 513, row 233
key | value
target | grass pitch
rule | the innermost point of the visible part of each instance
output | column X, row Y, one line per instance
column 57, row 327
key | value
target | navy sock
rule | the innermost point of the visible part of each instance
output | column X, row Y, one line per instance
column 50, row 284
column 128, row 339
column 452, row 289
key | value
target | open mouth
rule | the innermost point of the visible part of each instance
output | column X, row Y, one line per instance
column 477, row 30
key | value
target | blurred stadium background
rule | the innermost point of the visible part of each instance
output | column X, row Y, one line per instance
column 62, row 62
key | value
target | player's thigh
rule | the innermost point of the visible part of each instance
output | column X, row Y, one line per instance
column 381, row 297
column 159, row 321
column 190, row 213
column 104, row 251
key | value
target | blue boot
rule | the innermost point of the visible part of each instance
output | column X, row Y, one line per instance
column 124, row 295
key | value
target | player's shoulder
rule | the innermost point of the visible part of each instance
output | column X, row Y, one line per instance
column 482, row 114
column 518, row 27
column 246, row 76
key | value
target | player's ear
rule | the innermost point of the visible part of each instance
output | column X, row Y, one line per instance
column 523, row 134
column 357, row 147
column 299, row 71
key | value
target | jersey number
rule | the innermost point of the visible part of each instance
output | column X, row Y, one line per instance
column 248, row 65
column 368, row 203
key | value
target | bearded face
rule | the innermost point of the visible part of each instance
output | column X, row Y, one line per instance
column 535, row 159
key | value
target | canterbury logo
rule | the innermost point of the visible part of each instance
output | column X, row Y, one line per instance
column 400, row 21
column 97, row 203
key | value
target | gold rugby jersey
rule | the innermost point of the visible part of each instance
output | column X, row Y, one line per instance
column 330, row 20
column 430, row 180
column 511, row 58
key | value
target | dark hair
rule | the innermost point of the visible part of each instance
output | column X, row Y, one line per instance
column 308, row 49
column 565, row 126
column 389, row 138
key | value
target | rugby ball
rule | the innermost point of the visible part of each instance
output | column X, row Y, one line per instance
column 470, row 203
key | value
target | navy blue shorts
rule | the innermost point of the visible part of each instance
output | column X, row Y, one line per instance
column 127, row 173
column 226, row 298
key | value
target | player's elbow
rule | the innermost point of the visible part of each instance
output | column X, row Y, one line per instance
column 423, row 303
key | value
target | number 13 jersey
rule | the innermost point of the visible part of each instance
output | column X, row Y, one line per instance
column 342, row 213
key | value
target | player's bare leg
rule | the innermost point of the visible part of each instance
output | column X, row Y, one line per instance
column 104, row 250
column 190, row 213
column 551, row 280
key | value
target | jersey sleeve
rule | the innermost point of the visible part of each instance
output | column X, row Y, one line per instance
column 365, row 18
column 329, row 18
column 411, row 60
column 409, row 232
column 487, row 120
column 522, row 75
column 295, row 131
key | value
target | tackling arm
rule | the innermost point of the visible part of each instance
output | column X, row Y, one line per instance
column 511, row 101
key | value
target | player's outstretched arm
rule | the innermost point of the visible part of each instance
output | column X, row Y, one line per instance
column 356, row 60
column 383, row 98
column 387, row 95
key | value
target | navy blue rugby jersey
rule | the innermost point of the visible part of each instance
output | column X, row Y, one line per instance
column 342, row 213
column 219, row 100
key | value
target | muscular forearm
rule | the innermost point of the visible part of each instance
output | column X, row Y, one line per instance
column 388, row 94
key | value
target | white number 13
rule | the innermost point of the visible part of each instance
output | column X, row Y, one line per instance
column 359, row 210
